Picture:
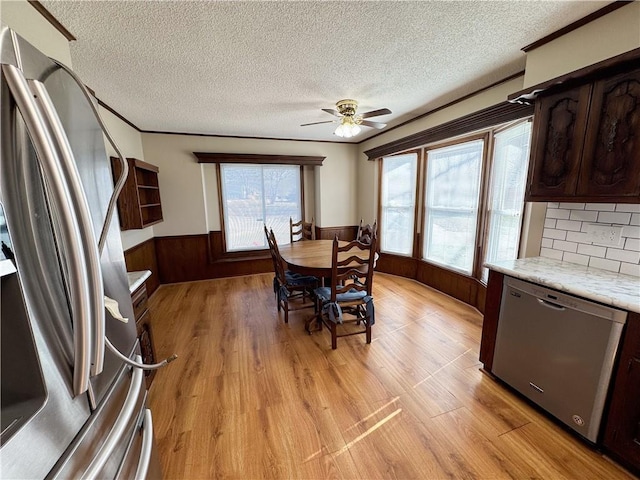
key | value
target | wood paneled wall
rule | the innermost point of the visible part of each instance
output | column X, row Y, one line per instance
column 347, row 233
column 187, row 258
column 143, row 257
column 462, row 287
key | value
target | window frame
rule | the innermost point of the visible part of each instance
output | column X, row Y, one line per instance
column 416, row 207
column 484, row 247
column 485, row 136
column 257, row 252
column 482, row 224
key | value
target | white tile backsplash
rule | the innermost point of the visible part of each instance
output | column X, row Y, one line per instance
column 565, row 235
column 583, row 215
column 618, row 218
column 601, row 207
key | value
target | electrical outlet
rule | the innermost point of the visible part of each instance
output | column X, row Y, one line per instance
column 604, row 234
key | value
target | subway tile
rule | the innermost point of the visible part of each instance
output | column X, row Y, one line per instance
column 632, row 244
column 611, row 265
column 628, row 256
column 572, row 206
column 549, row 253
column 550, row 223
column 547, row 243
column 555, row 234
column 558, row 213
column 575, row 258
column 620, row 218
column 628, row 207
column 553, row 204
column 568, row 225
column 630, row 269
column 635, row 219
column 592, row 250
column 565, row 246
column 632, row 231
column 583, row 216
column 579, row 237
column 602, row 207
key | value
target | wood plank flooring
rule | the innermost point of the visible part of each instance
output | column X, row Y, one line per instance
column 251, row 397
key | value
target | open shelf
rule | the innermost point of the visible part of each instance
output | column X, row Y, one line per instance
column 139, row 204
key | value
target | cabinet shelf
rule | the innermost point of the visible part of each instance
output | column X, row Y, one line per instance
column 139, row 204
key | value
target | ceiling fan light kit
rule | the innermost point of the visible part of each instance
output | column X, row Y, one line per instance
column 350, row 122
column 348, row 128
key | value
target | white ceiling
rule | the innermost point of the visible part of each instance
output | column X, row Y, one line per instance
column 260, row 69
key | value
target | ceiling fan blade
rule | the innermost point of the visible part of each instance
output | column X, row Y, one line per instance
column 331, row 111
column 316, row 123
column 375, row 113
column 369, row 123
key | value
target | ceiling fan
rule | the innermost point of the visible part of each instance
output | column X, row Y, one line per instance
column 349, row 123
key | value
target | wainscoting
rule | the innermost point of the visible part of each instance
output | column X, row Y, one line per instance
column 466, row 289
column 143, row 257
column 186, row 258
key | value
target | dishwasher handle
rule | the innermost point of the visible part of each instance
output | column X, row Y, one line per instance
column 551, row 305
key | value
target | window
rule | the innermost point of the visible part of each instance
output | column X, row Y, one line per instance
column 506, row 193
column 472, row 193
column 451, row 204
column 253, row 195
column 398, row 203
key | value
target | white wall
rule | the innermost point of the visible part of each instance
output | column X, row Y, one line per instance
column 129, row 141
column 33, row 27
column 189, row 190
column 606, row 37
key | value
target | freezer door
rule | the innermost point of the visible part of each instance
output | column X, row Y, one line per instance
column 101, row 446
column 141, row 461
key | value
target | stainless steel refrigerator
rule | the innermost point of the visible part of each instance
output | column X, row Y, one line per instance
column 70, row 407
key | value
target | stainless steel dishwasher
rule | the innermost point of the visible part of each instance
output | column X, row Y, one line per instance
column 558, row 350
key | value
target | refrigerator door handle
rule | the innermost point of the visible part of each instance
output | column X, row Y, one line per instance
column 75, row 258
column 80, row 205
column 119, row 426
column 119, row 185
column 147, row 446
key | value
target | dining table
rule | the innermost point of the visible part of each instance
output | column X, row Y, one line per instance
column 312, row 257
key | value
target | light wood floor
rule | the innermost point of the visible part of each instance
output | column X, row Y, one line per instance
column 250, row 397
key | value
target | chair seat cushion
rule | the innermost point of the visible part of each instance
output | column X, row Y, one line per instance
column 299, row 280
column 324, row 294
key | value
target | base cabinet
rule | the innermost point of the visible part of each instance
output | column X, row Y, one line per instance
column 622, row 431
column 143, row 327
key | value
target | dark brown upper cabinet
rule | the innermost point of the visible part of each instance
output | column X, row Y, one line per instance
column 139, row 203
column 611, row 159
column 586, row 134
column 586, row 143
column 560, row 122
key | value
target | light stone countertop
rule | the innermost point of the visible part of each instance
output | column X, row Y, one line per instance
column 615, row 289
column 136, row 279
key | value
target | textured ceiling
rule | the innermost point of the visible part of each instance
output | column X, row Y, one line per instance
column 260, row 69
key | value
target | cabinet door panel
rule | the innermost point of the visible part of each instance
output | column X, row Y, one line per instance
column 559, row 130
column 611, row 158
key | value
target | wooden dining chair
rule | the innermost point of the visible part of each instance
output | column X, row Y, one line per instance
column 289, row 286
column 366, row 232
column 301, row 230
column 349, row 299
